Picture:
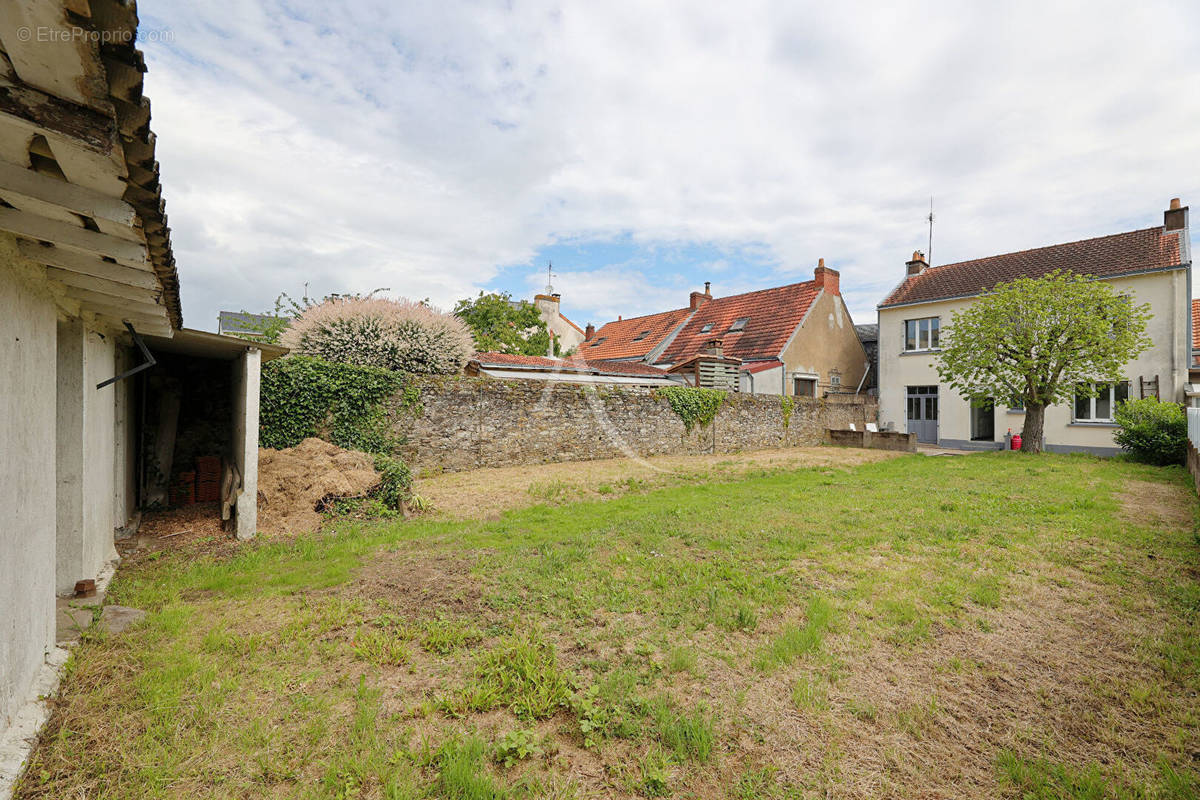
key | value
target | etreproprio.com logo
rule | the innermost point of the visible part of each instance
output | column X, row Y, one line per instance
column 49, row 34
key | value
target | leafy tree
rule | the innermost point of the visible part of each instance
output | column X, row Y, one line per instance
column 1038, row 341
column 501, row 325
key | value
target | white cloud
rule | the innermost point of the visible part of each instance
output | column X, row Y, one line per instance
column 420, row 146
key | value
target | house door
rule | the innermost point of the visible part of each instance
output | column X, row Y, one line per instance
column 983, row 422
column 923, row 413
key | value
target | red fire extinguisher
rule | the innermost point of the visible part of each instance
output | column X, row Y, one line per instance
column 1016, row 441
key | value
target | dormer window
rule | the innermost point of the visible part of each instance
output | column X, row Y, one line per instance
column 708, row 326
column 739, row 324
column 641, row 336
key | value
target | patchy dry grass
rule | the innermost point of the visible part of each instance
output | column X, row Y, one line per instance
column 975, row 627
column 487, row 493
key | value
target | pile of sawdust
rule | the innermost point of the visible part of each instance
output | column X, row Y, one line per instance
column 295, row 484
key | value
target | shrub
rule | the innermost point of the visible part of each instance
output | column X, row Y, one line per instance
column 399, row 335
column 395, row 481
column 1153, row 432
column 302, row 397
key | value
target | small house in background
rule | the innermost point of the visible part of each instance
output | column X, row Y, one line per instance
column 797, row 339
column 509, row 366
column 245, row 325
column 568, row 334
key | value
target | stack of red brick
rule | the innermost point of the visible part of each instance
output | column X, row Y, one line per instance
column 183, row 491
column 208, row 479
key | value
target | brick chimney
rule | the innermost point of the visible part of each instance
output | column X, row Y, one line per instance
column 918, row 263
column 1175, row 218
column 697, row 299
column 714, row 347
column 589, row 332
column 826, row 278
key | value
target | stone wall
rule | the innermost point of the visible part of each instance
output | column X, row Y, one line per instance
column 467, row 423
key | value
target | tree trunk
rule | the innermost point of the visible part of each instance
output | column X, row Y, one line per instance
column 1032, row 435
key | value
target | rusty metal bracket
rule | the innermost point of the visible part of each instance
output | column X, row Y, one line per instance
column 149, row 362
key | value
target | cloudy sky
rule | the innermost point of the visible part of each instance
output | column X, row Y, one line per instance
column 440, row 148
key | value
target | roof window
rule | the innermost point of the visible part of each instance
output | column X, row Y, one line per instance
column 641, row 336
column 599, row 341
column 708, row 326
column 739, row 324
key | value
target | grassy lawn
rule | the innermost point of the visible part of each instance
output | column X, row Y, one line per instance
column 919, row 627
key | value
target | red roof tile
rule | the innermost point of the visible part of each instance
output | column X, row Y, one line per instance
column 772, row 316
column 1106, row 256
column 620, row 339
column 759, row 366
column 594, row 366
column 1196, row 324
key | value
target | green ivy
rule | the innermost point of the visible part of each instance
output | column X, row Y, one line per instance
column 787, row 404
column 694, row 406
column 395, row 481
column 303, row 397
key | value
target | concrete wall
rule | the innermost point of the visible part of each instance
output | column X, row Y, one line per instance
column 27, row 471
column 1167, row 294
column 246, row 382
column 66, row 462
column 86, row 486
column 874, row 440
column 477, row 422
column 825, row 341
column 125, row 442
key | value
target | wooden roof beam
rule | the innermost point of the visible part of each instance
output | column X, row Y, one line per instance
column 84, row 264
column 27, row 183
column 51, row 116
column 64, row 234
column 152, row 327
column 147, row 308
column 122, row 291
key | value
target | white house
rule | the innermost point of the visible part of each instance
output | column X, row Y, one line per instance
column 91, row 325
column 1151, row 265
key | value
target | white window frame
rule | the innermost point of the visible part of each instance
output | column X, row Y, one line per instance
column 931, row 324
column 1111, row 394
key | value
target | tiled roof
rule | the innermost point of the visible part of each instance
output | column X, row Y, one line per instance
column 772, row 315
column 544, row 363
column 1106, row 256
column 620, row 339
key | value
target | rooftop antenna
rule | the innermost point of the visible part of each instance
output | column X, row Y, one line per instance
column 929, row 251
column 549, row 278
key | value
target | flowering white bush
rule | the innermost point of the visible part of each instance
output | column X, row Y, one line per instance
column 373, row 332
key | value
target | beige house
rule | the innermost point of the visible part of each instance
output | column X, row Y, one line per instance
column 796, row 339
column 568, row 334
column 1151, row 265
